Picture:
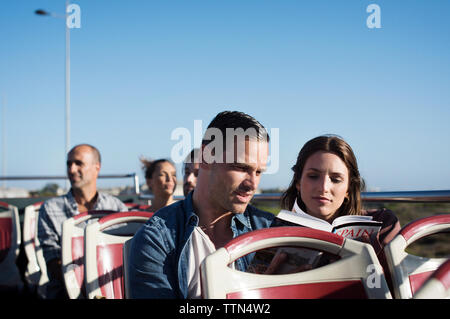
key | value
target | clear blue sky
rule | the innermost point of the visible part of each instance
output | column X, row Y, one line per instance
column 141, row 68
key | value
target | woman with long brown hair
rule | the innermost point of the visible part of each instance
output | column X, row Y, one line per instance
column 327, row 184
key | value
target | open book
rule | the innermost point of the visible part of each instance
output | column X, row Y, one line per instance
column 348, row 226
column 296, row 259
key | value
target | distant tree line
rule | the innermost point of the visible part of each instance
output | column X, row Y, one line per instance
column 49, row 190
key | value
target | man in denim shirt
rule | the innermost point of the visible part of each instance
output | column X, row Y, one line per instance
column 167, row 251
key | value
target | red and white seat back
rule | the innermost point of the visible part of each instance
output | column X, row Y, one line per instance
column 104, row 252
column 35, row 275
column 10, row 238
column 357, row 274
column 409, row 272
column 437, row 285
column 72, row 251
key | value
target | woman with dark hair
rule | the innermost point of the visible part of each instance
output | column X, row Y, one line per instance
column 161, row 179
column 327, row 184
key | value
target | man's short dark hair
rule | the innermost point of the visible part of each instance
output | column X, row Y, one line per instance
column 237, row 120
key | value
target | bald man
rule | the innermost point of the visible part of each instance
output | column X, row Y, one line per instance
column 83, row 167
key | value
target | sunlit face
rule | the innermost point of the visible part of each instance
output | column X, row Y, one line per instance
column 164, row 180
column 82, row 167
column 190, row 177
column 323, row 185
column 232, row 185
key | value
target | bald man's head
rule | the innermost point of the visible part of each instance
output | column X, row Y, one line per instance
column 83, row 166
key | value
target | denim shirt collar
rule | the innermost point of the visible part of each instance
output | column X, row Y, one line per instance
column 243, row 218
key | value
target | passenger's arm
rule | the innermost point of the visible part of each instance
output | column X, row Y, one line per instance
column 47, row 235
column 152, row 265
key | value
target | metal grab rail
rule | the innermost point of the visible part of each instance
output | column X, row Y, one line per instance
column 441, row 196
column 21, row 178
column 427, row 196
column 437, row 196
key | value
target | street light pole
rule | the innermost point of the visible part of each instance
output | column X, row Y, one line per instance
column 4, row 139
column 67, row 82
column 67, row 74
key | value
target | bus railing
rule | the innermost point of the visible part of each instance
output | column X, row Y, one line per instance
column 134, row 176
column 432, row 196
column 425, row 196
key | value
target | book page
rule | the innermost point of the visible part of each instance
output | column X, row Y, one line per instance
column 346, row 219
column 304, row 219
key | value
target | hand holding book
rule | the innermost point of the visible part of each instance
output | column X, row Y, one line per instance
column 296, row 259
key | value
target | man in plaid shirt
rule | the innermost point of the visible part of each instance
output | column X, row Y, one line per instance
column 83, row 167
